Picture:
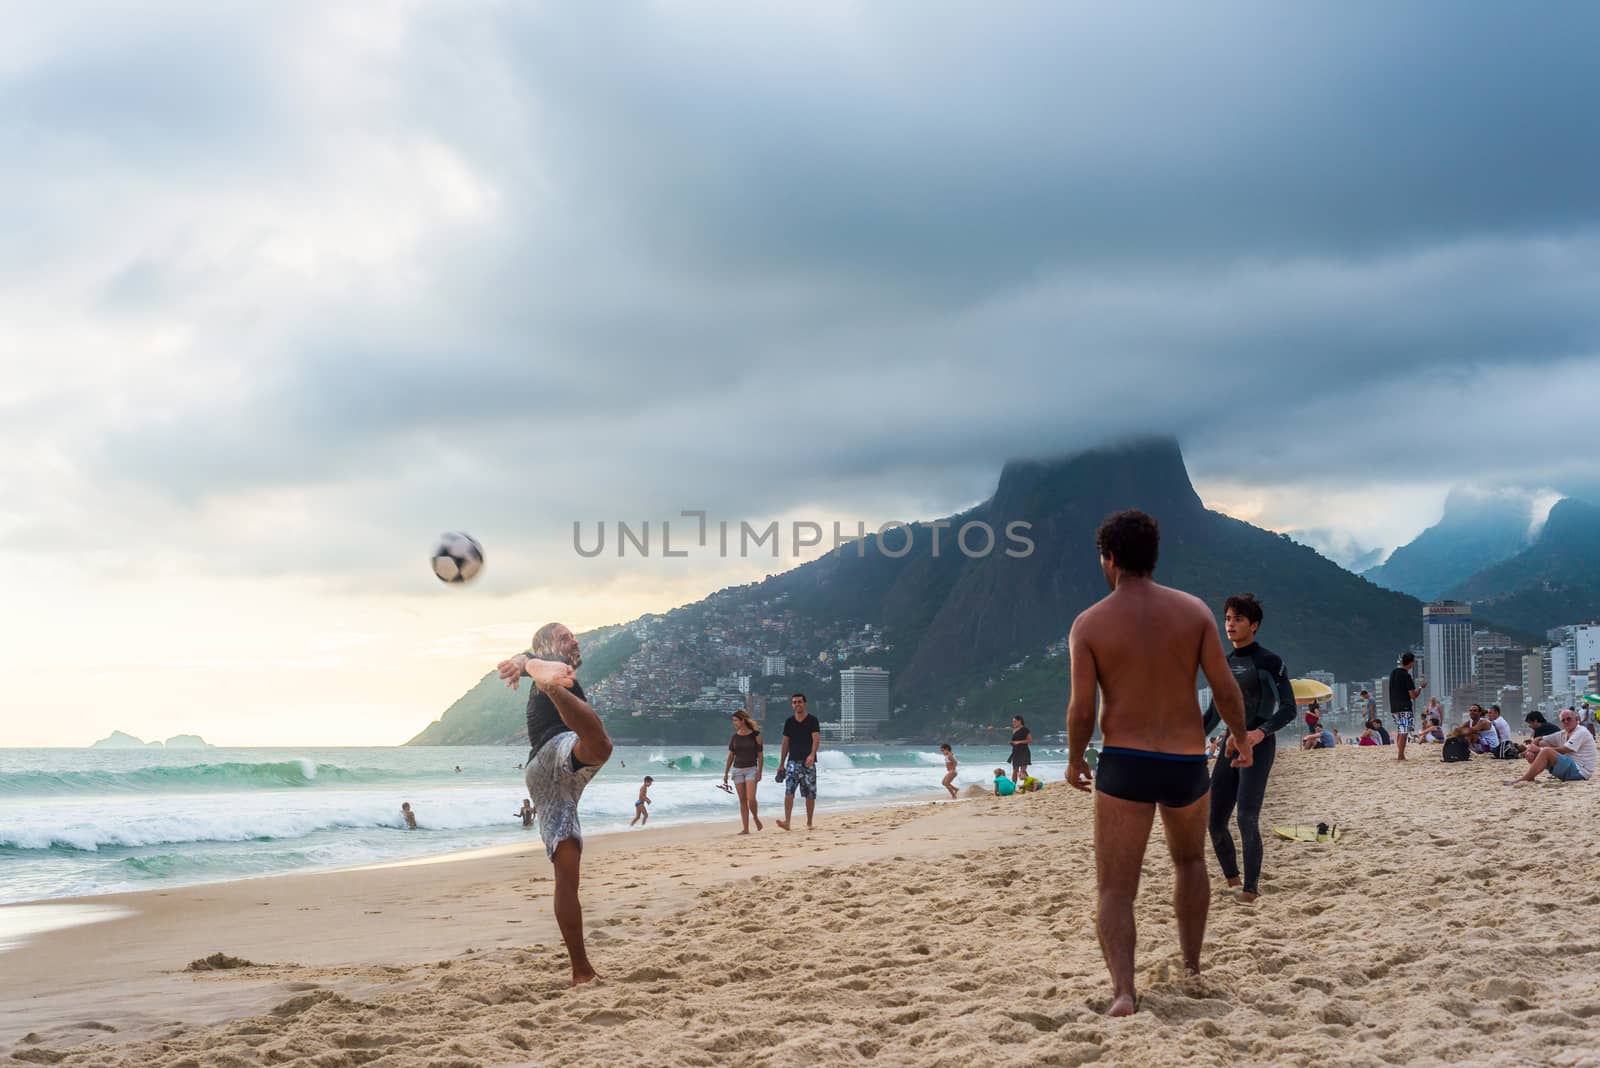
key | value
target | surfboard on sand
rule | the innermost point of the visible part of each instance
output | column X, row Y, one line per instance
column 1309, row 834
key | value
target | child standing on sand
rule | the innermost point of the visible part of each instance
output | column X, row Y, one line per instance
column 949, row 769
column 641, row 814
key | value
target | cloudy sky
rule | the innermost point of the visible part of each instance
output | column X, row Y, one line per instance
column 285, row 290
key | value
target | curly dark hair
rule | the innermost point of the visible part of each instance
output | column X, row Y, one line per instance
column 1246, row 605
column 1132, row 539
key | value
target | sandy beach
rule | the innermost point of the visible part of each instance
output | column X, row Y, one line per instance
column 1457, row 922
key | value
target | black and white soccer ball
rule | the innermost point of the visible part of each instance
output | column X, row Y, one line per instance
column 457, row 558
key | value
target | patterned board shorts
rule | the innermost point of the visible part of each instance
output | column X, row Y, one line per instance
column 796, row 776
column 1405, row 722
column 555, row 788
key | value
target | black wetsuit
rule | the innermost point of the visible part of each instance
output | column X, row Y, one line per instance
column 1268, row 707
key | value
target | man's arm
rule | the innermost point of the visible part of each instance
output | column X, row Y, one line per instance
column 1224, row 690
column 1286, row 707
column 783, row 752
column 1080, row 707
column 816, row 747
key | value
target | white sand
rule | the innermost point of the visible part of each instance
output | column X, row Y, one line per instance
column 1458, row 922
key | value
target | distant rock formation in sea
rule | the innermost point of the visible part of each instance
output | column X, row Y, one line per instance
column 122, row 740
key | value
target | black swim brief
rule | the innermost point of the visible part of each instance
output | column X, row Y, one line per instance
column 1171, row 779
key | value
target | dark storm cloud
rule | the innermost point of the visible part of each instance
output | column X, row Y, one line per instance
column 757, row 259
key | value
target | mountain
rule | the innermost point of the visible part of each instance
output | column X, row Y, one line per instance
column 119, row 740
column 1554, row 582
column 1475, row 532
column 969, row 639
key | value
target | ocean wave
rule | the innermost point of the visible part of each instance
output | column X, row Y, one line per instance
column 295, row 772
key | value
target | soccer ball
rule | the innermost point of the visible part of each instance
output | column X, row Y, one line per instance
column 457, row 558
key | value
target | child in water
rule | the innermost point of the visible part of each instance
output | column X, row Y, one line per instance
column 949, row 769
column 641, row 814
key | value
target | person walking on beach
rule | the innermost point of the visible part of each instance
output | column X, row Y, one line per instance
column 802, row 740
column 641, row 807
column 1269, row 707
column 1403, row 690
column 408, row 816
column 746, row 757
column 527, row 812
column 568, row 744
column 1141, row 647
column 1021, row 753
column 949, row 769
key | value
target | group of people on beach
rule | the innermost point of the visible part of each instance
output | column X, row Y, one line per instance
column 1134, row 657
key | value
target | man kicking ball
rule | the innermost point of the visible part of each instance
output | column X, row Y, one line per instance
column 1142, row 646
column 567, row 746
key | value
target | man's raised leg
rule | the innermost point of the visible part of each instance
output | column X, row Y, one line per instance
column 1191, row 897
column 1121, row 832
column 569, row 911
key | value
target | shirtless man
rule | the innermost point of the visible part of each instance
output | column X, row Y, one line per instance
column 1142, row 646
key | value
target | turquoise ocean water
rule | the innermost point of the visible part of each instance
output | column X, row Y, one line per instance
column 95, row 821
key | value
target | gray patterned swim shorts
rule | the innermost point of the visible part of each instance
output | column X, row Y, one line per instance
column 796, row 776
column 554, row 789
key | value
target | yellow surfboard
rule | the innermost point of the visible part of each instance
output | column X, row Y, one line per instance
column 1308, row 834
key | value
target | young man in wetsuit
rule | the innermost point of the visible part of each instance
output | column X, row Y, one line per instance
column 1268, row 708
column 1141, row 646
column 567, row 745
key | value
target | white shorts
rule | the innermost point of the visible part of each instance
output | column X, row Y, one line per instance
column 555, row 788
column 745, row 774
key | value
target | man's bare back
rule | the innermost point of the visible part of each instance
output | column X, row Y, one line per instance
column 1139, row 650
column 1146, row 641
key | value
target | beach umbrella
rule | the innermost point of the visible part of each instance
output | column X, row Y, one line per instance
column 1590, row 698
column 1308, row 690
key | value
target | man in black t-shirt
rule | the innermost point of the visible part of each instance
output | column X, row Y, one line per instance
column 567, row 745
column 1402, row 692
column 802, row 739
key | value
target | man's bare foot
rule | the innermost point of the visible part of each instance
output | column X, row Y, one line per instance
column 587, row 976
column 1249, row 897
column 758, row 824
column 745, row 831
column 1123, row 1006
column 782, row 823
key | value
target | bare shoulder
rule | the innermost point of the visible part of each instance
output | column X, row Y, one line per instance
column 1192, row 605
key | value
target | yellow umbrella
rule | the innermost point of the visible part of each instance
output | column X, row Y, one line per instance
column 1308, row 690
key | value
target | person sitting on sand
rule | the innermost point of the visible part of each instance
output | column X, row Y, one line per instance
column 1503, row 747
column 527, row 812
column 1313, row 718
column 949, row 769
column 1003, row 787
column 1368, row 737
column 1029, row 785
column 641, row 811
column 1538, row 726
column 1568, row 754
column 407, row 815
column 1379, row 731
column 1322, row 739
column 1432, row 731
column 1478, row 731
